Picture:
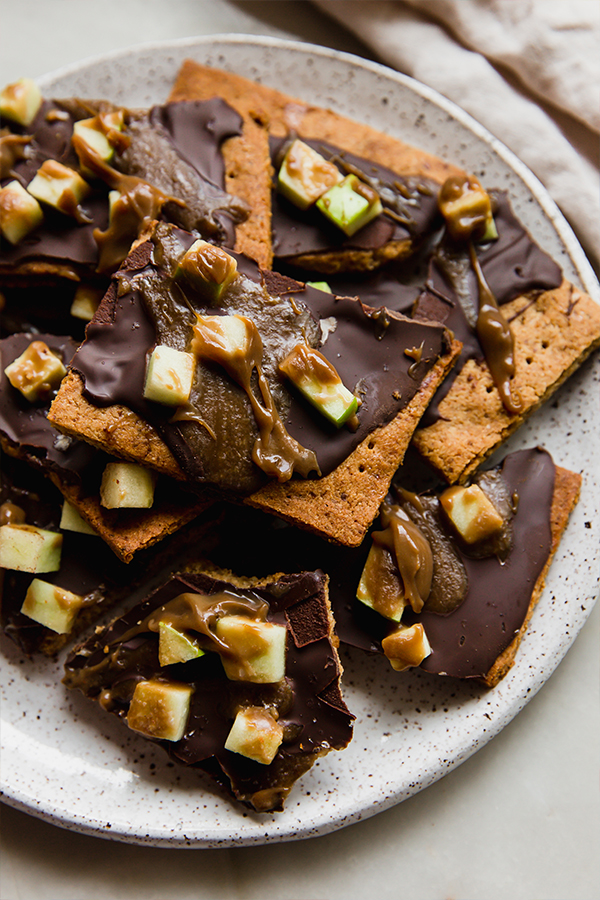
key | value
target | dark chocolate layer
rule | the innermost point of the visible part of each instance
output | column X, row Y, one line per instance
column 313, row 714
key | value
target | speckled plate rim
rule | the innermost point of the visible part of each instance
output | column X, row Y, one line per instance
column 523, row 681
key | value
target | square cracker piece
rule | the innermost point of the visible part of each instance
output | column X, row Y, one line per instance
column 284, row 114
column 553, row 336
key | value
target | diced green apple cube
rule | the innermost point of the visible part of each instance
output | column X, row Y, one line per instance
column 58, row 186
column 472, row 514
column 85, row 302
column 169, row 376
column 20, row 213
column 71, row 520
column 350, row 205
column 92, row 133
column 51, row 606
column 20, row 101
column 256, row 650
column 317, row 379
column 160, row 709
column 127, row 486
column 209, row 269
column 27, row 548
column 255, row 734
column 319, row 286
column 175, row 647
column 36, row 371
column 305, row 175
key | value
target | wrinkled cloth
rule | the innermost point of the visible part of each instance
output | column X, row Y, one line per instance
column 529, row 71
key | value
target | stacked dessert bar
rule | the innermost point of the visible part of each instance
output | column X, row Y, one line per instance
column 231, row 322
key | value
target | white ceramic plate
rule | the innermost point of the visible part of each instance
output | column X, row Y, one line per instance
column 65, row 761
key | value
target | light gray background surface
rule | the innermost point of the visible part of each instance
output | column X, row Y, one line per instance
column 519, row 820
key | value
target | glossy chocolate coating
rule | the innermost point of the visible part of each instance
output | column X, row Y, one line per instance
column 311, row 709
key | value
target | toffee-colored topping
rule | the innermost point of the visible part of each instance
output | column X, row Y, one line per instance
column 466, row 207
column 11, row 514
column 496, row 339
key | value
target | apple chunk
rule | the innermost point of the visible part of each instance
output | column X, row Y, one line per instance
column 255, row 650
column 175, row 647
column 160, row 709
column 317, row 379
column 20, row 213
column 127, row 486
column 20, row 101
column 380, row 586
column 51, row 606
column 60, row 187
column 208, row 269
column 472, row 514
column 70, row 520
column 305, row 175
column 85, row 302
column 350, row 205
column 169, row 376
column 27, row 548
column 255, row 734
column 36, row 372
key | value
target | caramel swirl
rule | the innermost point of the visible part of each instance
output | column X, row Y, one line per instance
column 275, row 450
column 13, row 147
column 411, row 551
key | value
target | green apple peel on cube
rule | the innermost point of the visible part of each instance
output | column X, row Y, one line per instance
column 319, row 382
column 255, row 734
column 175, row 647
column 305, row 175
column 350, row 205
column 160, row 709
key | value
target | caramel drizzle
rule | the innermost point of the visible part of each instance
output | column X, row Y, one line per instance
column 138, row 205
column 200, row 613
column 411, row 551
column 275, row 451
column 13, row 147
column 496, row 339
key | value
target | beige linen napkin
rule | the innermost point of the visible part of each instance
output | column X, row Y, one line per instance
column 529, row 70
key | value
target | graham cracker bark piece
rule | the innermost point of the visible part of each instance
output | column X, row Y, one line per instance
column 285, row 114
column 339, row 505
column 553, row 334
column 305, row 706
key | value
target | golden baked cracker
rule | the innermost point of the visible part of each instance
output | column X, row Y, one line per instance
column 285, row 114
column 567, row 486
column 553, row 335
